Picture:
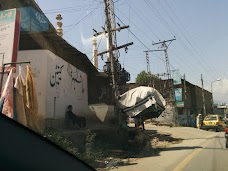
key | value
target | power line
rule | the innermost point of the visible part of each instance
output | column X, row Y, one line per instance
column 129, row 17
column 159, row 16
column 147, row 26
column 168, row 27
column 204, row 62
column 189, row 67
column 146, row 35
column 142, row 32
column 163, row 21
column 137, row 37
column 142, row 20
column 66, row 11
column 67, row 8
column 77, row 22
column 140, row 40
column 181, row 30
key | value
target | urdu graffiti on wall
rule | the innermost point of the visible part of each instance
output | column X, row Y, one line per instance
column 75, row 77
column 56, row 77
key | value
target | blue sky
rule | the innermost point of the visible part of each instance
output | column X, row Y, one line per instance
column 200, row 27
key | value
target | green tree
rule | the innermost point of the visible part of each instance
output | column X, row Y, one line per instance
column 144, row 77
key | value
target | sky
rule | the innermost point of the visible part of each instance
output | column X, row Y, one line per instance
column 199, row 26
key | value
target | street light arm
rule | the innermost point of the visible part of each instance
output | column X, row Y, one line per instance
column 219, row 79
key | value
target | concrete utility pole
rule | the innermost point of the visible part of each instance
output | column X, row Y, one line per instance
column 112, row 20
column 204, row 107
column 110, row 48
column 148, row 67
column 111, row 42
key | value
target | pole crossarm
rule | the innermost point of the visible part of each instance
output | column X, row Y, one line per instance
column 153, row 50
column 163, row 41
column 114, row 29
column 115, row 48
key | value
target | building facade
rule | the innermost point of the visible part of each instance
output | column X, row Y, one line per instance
column 191, row 102
column 63, row 75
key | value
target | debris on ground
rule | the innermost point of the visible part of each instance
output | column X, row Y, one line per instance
column 111, row 165
column 142, row 144
column 161, row 140
column 157, row 143
column 157, row 123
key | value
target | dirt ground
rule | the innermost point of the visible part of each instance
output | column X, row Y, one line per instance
column 144, row 144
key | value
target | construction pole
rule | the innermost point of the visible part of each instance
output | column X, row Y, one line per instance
column 165, row 47
column 204, row 107
column 148, row 62
column 185, row 100
column 110, row 49
column 148, row 68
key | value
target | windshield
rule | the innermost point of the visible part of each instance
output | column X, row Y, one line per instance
column 119, row 84
column 210, row 118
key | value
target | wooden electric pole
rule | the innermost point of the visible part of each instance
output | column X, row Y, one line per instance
column 185, row 100
column 204, row 107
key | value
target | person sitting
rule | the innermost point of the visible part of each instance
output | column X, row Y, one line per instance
column 80, row 121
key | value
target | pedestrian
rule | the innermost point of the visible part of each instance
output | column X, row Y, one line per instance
column 199, row 120
column 137, row 122
column 80, row 121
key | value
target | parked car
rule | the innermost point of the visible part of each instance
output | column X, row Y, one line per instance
column 215, row 122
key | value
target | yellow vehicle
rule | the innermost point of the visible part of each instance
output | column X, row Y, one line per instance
column 215, row 122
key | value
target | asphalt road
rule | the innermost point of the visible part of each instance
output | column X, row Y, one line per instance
column 199, row 151
column 211, row 156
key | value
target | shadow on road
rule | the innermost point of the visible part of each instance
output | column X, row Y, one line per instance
column 143, row 143
column 198, row 138
column 147, row 143
column 208, row 148
column 180, row 148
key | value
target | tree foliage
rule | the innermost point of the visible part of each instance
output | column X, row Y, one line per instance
column 144, row 77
